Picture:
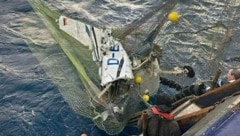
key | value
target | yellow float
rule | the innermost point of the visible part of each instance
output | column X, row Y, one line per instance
column 173, row 17
column 145, row 97
column 138, row 79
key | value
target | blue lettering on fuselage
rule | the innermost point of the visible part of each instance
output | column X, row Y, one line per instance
column 113, row 60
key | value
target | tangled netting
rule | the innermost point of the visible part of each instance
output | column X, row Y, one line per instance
column 205, row 34
column 204, row 38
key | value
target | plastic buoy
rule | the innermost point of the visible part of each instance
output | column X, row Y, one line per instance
column 138, row 79
column 145, row 97
column 173, row 17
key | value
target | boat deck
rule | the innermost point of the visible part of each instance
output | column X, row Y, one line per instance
column 221, row 121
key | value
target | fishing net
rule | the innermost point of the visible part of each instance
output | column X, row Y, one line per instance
column 71, row 68
column 201, row 39
column 204, row 38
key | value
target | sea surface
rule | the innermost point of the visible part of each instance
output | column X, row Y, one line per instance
column 31, row 103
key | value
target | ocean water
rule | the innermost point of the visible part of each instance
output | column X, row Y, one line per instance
column 31, row 104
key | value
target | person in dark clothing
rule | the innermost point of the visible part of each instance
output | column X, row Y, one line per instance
column 159, row 120
column 182, row 92
column 231, row 76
